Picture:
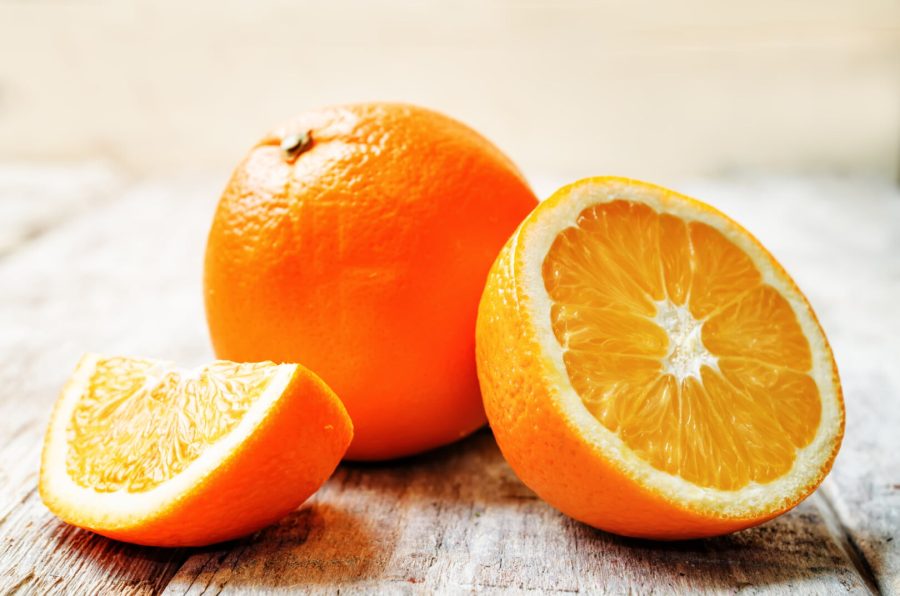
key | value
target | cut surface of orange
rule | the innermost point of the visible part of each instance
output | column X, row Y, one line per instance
column 144, row 452
column 649, row 368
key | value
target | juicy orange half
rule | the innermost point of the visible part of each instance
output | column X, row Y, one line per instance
column 141, row 451
column 649, row 368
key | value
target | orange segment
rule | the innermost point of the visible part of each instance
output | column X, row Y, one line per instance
column 675, row 257
column 761, row 325
column 141, row 451
column 128, row 433
column 620, row 333
column 593, row 276
column 644, row 353
column 722, row 271
column 611, row 385
column 632, row 230
column 792, row 396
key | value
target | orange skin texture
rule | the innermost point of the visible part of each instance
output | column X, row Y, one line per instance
column 365, row 259
column 292, row 452
column 546, row 448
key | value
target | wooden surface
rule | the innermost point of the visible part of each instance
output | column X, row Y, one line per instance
column 90, row 262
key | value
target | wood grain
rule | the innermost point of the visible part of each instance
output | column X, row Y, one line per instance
column 458, row 519
column 99, row 280
column 865, row 486
column 126, row 279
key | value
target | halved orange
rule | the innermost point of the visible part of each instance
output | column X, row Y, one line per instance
column 141, row 451
column 648, row 368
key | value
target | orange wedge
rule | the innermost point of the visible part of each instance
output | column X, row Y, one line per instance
column 143, row 452
column 648, row 368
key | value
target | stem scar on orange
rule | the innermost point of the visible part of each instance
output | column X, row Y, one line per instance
column 648, row 367
column 356, row 240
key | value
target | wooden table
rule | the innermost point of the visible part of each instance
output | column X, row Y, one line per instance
column 92, row 262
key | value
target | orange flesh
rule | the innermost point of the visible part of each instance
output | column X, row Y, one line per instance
column 134, row 429
column 674, row 343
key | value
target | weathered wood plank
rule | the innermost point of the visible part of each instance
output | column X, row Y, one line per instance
column 459, row 520
column 103, row 281
column 126, row 279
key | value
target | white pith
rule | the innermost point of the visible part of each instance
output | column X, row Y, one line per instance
column 531, row 244
column 687, row 354
column 124, row 508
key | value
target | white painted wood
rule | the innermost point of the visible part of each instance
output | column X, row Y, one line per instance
column 125, row 278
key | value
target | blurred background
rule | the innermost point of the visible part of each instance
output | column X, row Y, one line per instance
column 657, row 90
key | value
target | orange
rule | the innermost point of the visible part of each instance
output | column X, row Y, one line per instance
column 140, row 451
column 357, row 239
column 649, row 368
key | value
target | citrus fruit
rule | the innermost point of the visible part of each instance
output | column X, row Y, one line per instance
column 143, row 452
column 357, row 239
column 649, row 368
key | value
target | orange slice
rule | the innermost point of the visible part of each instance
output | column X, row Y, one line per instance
column 143, row 452
column 648, row 368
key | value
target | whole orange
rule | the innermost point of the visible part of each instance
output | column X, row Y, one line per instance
column 356, row 240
